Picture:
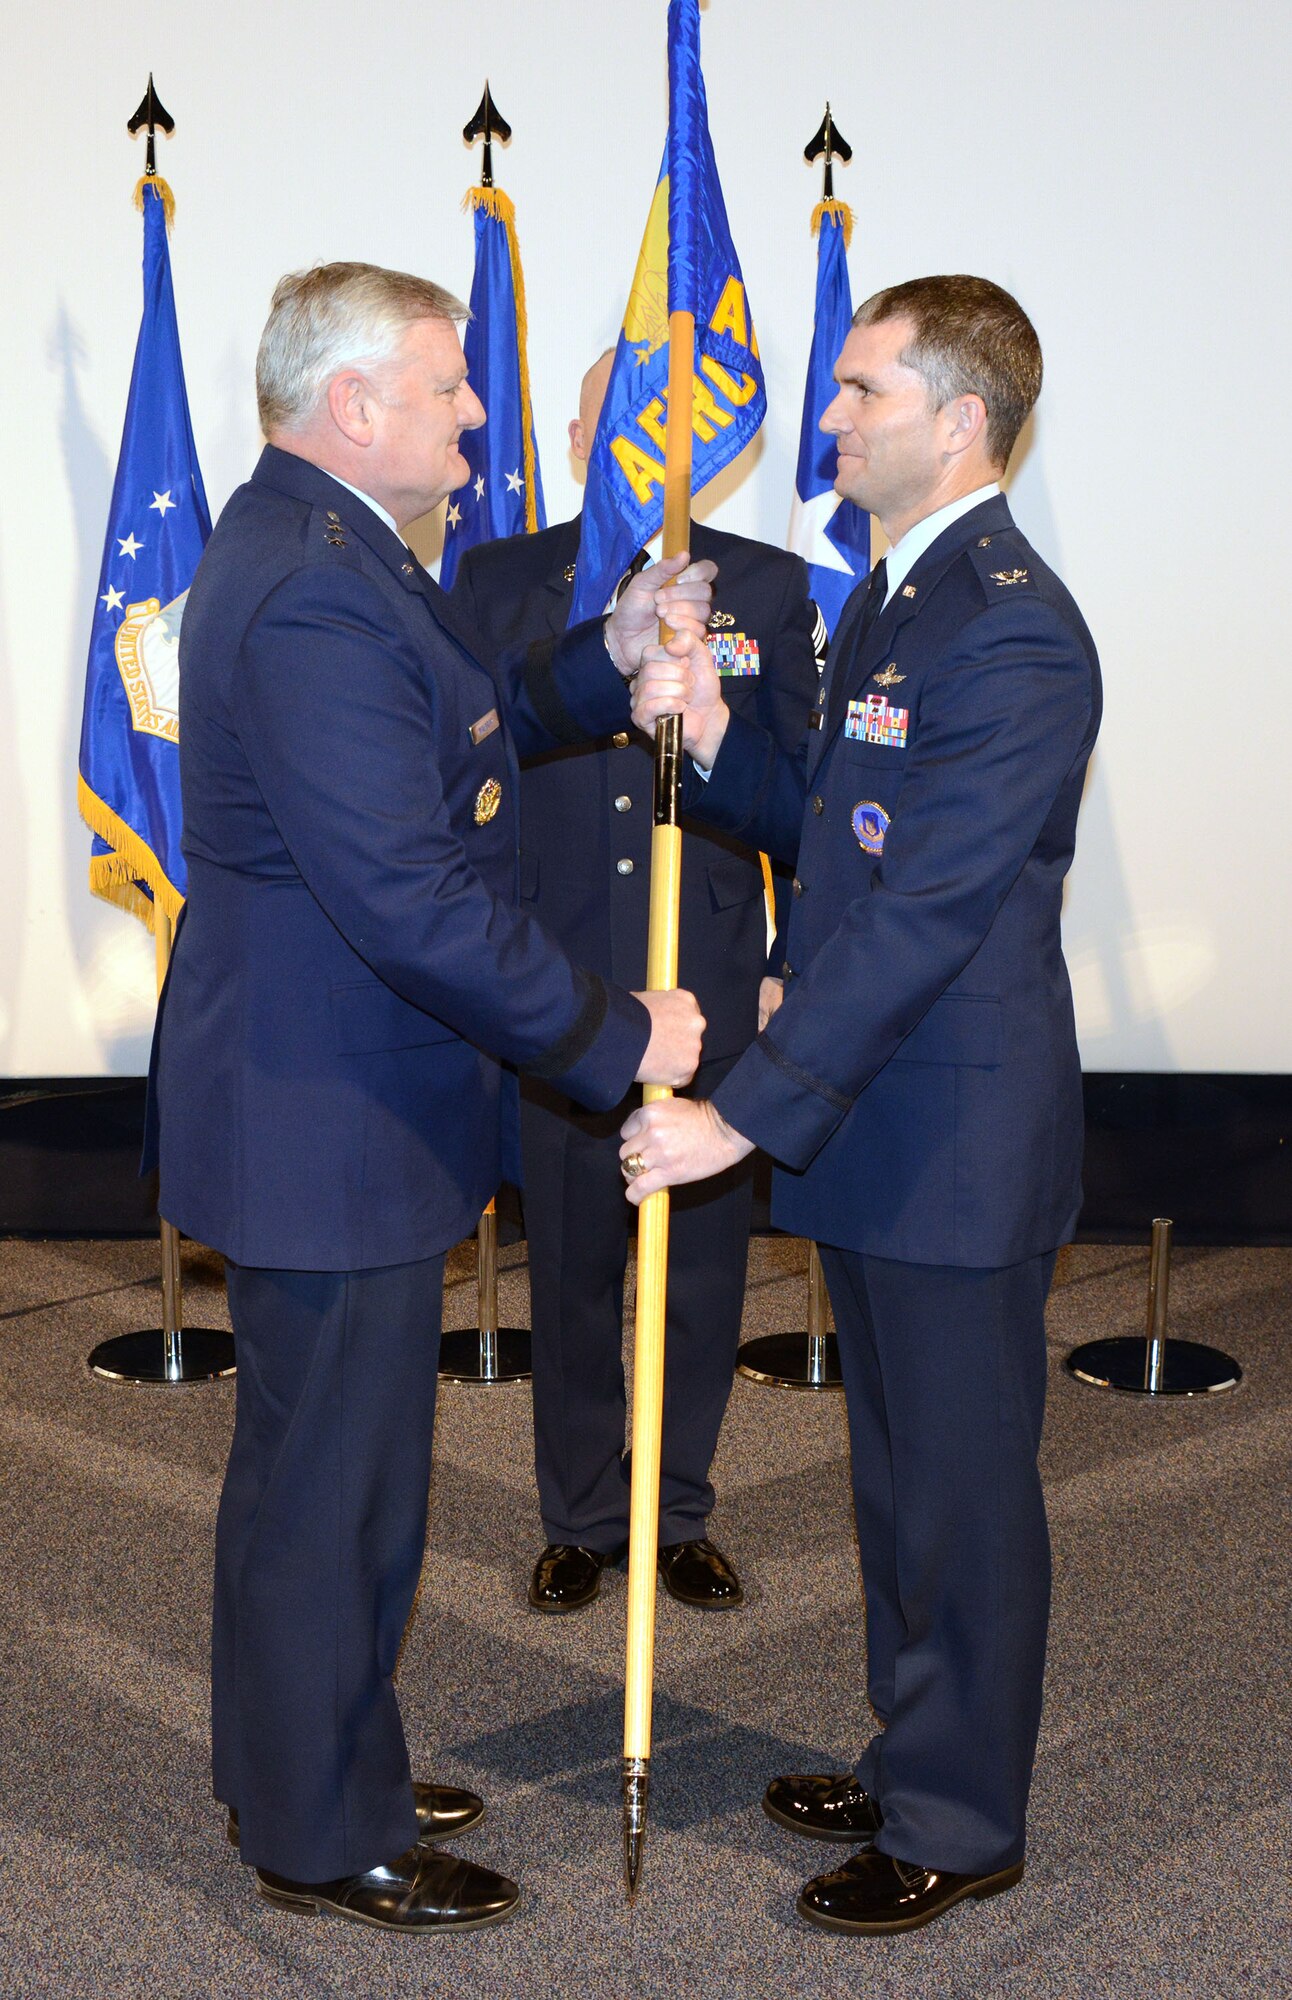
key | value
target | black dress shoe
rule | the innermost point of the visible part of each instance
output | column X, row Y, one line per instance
column 565, row 1577
column 823, row 1808
column 442, row 1812
column 873, row 1893
column 697, row 1573
column 422, row 1890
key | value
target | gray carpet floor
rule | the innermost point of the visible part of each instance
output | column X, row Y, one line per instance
column 1162, row 1810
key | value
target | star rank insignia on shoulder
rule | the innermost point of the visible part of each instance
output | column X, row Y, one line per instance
column 334, row 531
column 1002, row 577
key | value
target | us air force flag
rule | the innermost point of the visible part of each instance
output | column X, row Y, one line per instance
column 623, row 504
column 831, row 535
column 158, row 524
column 504, row 495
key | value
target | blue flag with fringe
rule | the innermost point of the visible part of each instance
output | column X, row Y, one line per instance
column 158, row 524
column 504, row 495
column 831, row 535
column 687, row 263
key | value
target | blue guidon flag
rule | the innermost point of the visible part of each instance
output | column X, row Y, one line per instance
column 504, row 495
column 158, row 524
column 831, row 535
column 688, row 263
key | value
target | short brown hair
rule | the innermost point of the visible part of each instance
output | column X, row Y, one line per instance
column 970, row 338
column 327, row 318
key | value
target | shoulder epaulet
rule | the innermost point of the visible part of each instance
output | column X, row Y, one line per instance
column 1003, row 566
column 326, row 535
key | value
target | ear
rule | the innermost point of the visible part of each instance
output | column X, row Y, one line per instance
column 349, row 402
column 965, row 419
column 576, row 438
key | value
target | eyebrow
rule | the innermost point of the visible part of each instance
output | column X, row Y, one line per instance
column 854, row 381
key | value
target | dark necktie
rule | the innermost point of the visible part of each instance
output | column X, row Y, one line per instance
column 875, row 595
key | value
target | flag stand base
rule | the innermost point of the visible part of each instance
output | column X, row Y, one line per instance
column 500, row 1355
column 152, row 1358
column 791, row 1361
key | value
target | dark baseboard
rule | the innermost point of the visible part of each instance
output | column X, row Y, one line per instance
column 1212, row 1152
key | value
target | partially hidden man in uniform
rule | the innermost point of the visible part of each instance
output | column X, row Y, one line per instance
column 350, row 968
column 585, row 872
column 919, row 1086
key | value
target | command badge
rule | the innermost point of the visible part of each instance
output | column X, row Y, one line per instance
column 870, row 824
column 721, row 621
column 488, row 800
column 890, row 676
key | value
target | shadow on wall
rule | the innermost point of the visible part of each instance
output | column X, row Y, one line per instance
column 1122, row 981
column 13, row 856
column 112, row 956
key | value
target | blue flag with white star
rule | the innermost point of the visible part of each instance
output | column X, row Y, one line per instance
column 158, row 524
column 687, row 263
column 504, row 495
column 831, row 535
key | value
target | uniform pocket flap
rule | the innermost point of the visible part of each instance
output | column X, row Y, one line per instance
column 959, row 1028
column 733, row 879
column 367, row 1019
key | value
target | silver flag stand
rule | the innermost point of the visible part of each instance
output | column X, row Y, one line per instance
column 1155, row 1366
column 171, row 1353
column 797, row 1360
column 486, row 1352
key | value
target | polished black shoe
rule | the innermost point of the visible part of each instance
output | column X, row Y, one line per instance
column 872, row 1893
column 566, row 1578
column 823, row 1808
column 697, row 1573
column 442, row 1812
column 422, row 1890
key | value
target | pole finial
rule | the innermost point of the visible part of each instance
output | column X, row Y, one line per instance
column 828, row 144
column 487, row 123
column 152, row 113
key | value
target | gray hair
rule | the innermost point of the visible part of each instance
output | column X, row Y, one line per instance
column 332, row 316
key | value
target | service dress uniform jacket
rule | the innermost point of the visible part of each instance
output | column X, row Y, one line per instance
column 352, row 988
column 586, row 815
column 920, row 1092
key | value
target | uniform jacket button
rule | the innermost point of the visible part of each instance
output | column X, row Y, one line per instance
column 623, row 803
column 818, row 804
column 620, row 739
column 798, row 886
column 624, row 867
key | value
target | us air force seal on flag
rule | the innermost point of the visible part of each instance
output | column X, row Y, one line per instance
column 146, row 647
column 870, row 824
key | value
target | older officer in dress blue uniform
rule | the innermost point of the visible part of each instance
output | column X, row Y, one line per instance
column 350, row 968
column 585, row 872
column 919, row 1086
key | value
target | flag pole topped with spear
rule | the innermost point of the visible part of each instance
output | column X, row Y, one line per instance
column 661, row 948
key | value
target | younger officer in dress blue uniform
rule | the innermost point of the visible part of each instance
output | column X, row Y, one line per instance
column 349, row 968
column 919, row 1087
column 585, row 872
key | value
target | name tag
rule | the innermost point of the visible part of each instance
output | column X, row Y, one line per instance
column 485, row 727
column 873, row 721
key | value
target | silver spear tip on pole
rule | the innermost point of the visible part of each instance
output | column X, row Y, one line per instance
column 636, row 1794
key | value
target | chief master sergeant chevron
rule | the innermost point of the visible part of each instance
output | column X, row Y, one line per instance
column 919, row 1086
column 349, row 968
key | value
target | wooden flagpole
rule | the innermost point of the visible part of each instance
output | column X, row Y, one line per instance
column 652, row 1227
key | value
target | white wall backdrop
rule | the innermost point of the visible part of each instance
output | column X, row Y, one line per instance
column 1123, row 168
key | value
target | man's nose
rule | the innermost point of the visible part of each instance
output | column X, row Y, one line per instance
column 832, row 420
column 473, row 410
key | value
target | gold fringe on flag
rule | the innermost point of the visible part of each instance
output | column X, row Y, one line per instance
column 501, row 207
column 840, row 216
column 161, row 190
column 116, row 877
